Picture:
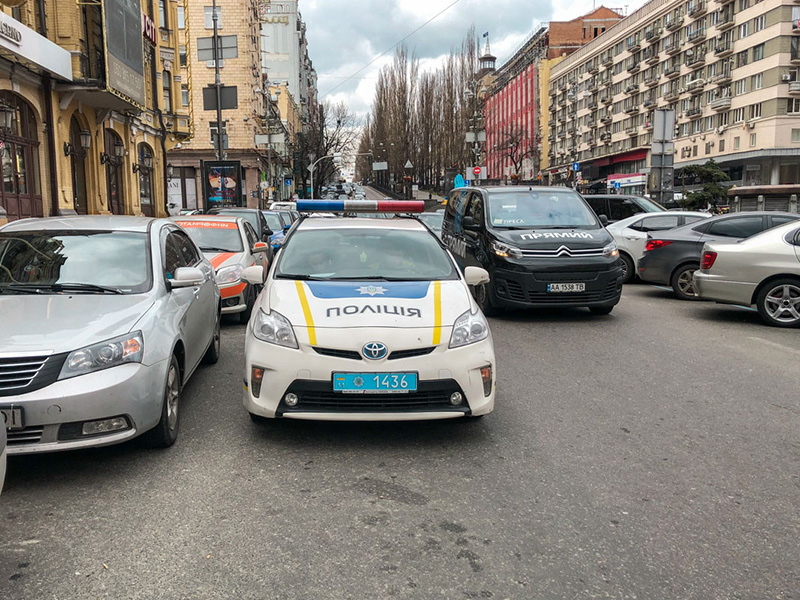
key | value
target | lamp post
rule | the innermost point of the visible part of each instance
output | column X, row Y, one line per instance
column 335, row 156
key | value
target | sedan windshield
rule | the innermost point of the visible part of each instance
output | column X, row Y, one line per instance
column 364, row 254
column 74, row 262
column 274, row 221
column 549, row 209
column 214, row 236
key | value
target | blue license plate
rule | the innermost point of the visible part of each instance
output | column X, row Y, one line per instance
column 374, row 383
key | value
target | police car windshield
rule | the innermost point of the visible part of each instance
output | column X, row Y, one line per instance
column 364, row 254
column 551, row 209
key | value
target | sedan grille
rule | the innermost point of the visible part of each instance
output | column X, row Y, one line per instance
column 28, row 435
column 410, row 353
column 336, row 353
column 23, row 374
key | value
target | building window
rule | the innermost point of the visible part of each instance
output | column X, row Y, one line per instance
column 209, row 21
column 181, row 17
column 146, row 179
column 738, row 115
column 752, row 140
column 162, row 14
column 184, row 94
column 755, row 111
column 757, row 82
column 182, row 55
column 723, row 119
column 20, row 189
column 795, row 136
column 741, row 57
column 744, row 5
column 794, row 106
column 166, row 86
column 744, row 30
column 722, row 145
column 759, row 23
column 758, row 52
column 736, row 143
column 740, row 87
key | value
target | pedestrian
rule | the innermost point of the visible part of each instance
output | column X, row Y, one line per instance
column 430, row 195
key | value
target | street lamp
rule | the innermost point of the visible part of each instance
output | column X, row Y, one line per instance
column 335, row 156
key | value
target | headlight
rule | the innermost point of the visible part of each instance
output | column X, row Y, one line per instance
column 468, row 329
column 504, row 250
column 229, row 274
column 274, row 328
column 127, row 348
column 611, row 250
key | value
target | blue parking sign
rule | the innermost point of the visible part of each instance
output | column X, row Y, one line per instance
column 617, row 185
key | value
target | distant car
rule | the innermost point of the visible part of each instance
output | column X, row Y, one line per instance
column 433, row 220
column 288, row 216
column 190, row 211
column 631, row 234
column 105, row 319
column 231, row 245
column 251, row 215
column 763, row 270
column 672, row 257
column 276, row 223
column 283, row 205
column 617, row 207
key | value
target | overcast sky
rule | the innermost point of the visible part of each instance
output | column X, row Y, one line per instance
column 344, row 35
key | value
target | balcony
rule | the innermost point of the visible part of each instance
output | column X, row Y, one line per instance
column 698, row 10
column 698, row 35
column 672, row 95
column 562, row 118
column 796, row 26
column 794, row 87
column 696, row 86
column 607, row 61
column 571, row 130
column 634, row 67
column 651, row 81
column 726, row 22
column 675, row 23
column 721, row 103
column 723, row 49
column 724, row 2
column 694, row 113
column 648, row 103
column 648, row 126
column 607, row 99
column 672, row 47
column 591, row 85
column 562, row 133
column 721, row 78
column 632, row 109
column 551, row 123
column 605, row 137
column 591, row 105
column 562, row 87
column 590, row 123
column 632, row 89
column 562, row 100
column 606, row 119
column 634, row 45
column 593, row 69
column 634, row 130
column 695, row 60
column 651, row 57
column 551, row 136
column 672, row 72
column 651, row 35
column 795, row 58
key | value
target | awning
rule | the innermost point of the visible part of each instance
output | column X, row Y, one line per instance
column 629, row 157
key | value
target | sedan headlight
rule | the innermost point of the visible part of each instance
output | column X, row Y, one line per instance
column 468, row 329
column 274, row 328
column 127, row 348
column 229, row 274
column 505, row 251
column 611, row 251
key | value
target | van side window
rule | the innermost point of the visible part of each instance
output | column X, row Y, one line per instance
column 475, row 208
column 598, row 205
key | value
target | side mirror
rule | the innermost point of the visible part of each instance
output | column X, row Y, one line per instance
column 267, row 232
column 287, row 227
column 476, row 276
column 469, row 224
column 186, row 277
column 260, row 247
column 603, row 220
column 254, row 275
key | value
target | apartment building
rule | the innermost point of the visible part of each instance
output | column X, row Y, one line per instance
column 729, row 70
column 88, row 107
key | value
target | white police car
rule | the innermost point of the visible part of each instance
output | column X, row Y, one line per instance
column 367, row 319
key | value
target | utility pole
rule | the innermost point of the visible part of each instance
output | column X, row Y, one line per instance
column 217, row 81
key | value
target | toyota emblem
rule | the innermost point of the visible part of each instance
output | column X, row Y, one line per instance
column 374, row 350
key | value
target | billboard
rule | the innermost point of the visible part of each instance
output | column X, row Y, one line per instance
column 222, row 183
column 123, row 37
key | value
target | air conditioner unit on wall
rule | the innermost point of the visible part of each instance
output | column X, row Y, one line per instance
column 786, row 77
column 720, row 129
column 751, row 125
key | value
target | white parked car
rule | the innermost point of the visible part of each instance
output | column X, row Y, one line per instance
column 631, row 234
column 763, row 270
column 367, row 319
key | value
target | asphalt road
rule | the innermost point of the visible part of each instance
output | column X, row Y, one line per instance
column 650, row 454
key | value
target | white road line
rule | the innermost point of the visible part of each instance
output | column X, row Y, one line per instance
column 775, row 344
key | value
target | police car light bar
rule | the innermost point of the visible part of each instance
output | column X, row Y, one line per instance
column 376, row 206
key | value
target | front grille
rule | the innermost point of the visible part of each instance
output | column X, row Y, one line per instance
column 397, row 354
column 23, row 374
column 349, row 354
column 565, row 297
column 317, row 396
column 565, row 276
column 515, row 291
column 28, row 435
column 562, row 251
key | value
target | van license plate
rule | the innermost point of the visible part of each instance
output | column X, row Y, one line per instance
column 566, row 287
column 12, row 417
column 374, row 383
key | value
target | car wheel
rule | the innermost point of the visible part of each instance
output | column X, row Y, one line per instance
column 778, row 303
column 601, row 310
column 212, row 354
column 628, row 270
column 250, row 299
column 482, row 294
column 165, row 433
column 683, row 282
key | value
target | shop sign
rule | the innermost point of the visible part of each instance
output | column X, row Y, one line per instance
column 10, row 32
column 29, row 45
column 149, row 29
column 627, row 180
column 124, row 53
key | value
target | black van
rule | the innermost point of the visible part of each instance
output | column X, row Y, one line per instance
column 617, row 207
column 543, row 247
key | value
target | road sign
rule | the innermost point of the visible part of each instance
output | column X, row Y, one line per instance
column 476, row 170
column 576, row 166
column 408, row 165
column 287, row 181
column 467, row 182
column 617, row 185
column 380, row 166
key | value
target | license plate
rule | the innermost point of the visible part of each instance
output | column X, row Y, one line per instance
column 566, row 287
column 374, row 383
column 12, row 417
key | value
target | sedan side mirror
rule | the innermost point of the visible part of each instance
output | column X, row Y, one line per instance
column 260, row 247
column 603, row 220
column 476, row 276
column 267, row 233
column 254, row 275
column 469, row 224
column 186, row 277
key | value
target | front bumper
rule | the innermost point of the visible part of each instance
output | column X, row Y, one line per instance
column 719, row 289
column 524, row 289
column 51, row 415
column 309, row 375
column 233, row 298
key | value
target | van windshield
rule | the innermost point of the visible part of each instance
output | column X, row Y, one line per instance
column 550, row 209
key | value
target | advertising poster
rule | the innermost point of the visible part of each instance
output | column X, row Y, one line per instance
column 222, row 183
column 124, row 64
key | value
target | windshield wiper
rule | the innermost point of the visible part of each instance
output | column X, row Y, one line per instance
column 300, row 277
column 83, row 287
column 362, row 278
column 214, row 249
column 22, row 289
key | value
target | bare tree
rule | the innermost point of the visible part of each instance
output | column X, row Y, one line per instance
column 516, row 145
column 336, row 132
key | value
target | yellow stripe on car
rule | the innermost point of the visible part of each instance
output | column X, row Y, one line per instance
column 312, row 334
column 437, row 312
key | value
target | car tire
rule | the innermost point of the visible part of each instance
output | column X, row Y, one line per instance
column 601, row 310
column 628, row 269
column 482, row 295
column 682, row 282
column 777, row 298
column 250, row 300
column 212, row 354
column 165, row 433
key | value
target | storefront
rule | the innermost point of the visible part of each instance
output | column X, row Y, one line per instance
column 21, row 191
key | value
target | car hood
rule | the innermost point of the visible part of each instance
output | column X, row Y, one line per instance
column 553, row 239
column 337, row 304
column 64, row 322
column 224, row 259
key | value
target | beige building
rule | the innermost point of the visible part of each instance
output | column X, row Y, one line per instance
column 729, row 70
column 88, row 106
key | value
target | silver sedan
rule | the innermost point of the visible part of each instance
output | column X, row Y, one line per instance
column 763, row 270
column 104, row 321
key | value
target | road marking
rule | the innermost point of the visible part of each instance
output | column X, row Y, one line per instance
column 312, row 334
column 775, row 345
column 437, row 312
